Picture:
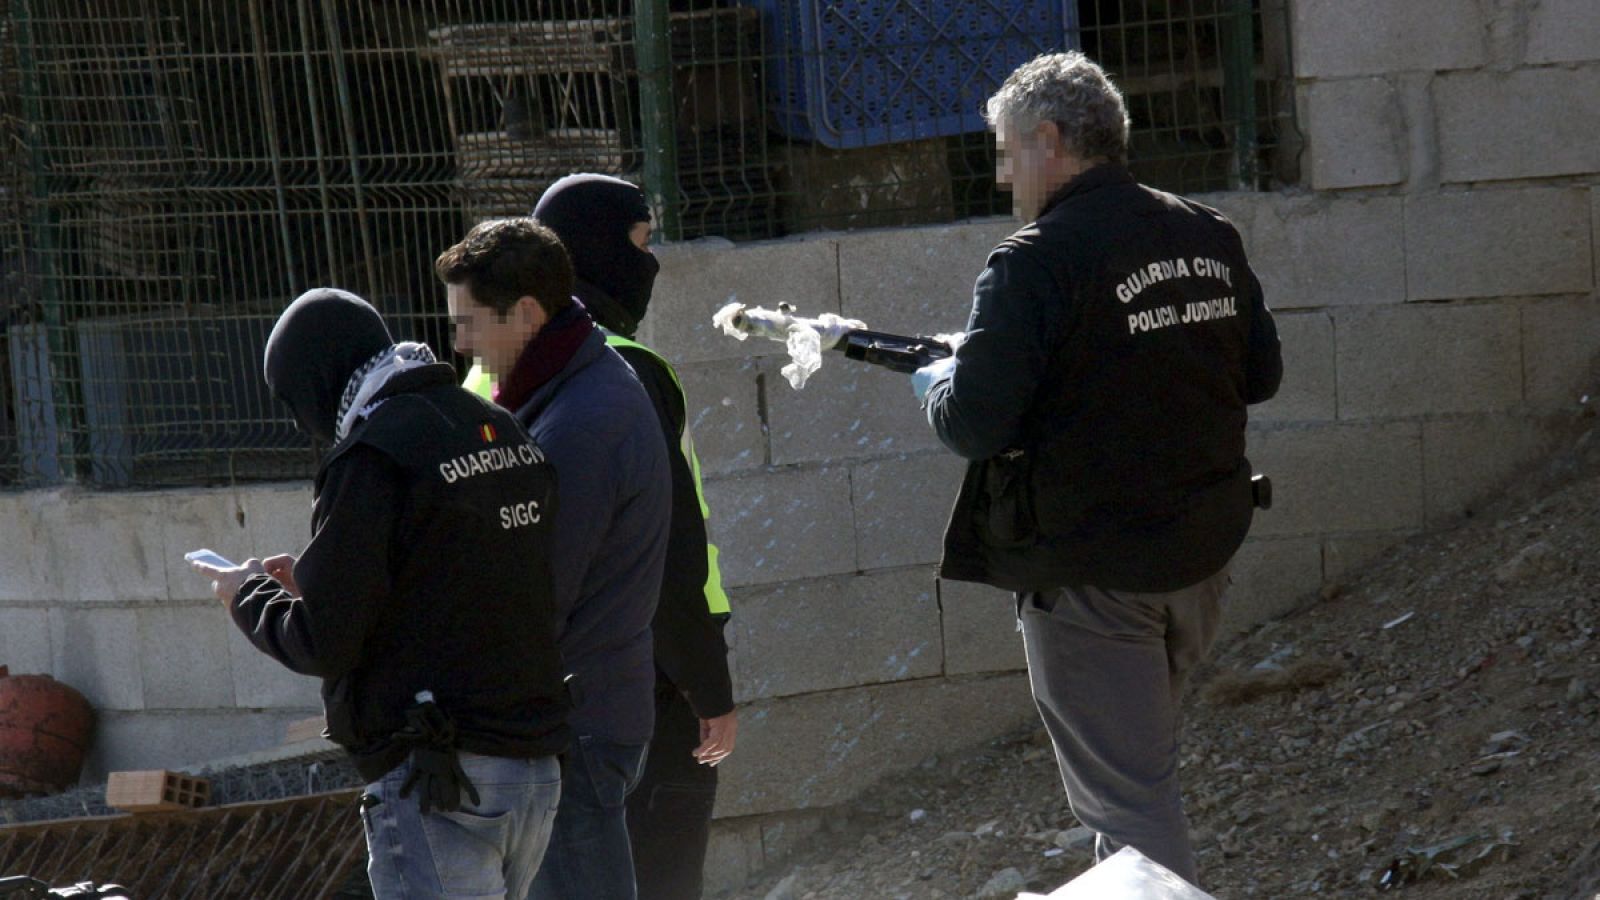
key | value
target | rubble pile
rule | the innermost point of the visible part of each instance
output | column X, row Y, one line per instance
column 1430, row 729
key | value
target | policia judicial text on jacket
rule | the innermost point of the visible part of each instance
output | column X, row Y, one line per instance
column 1107, row 439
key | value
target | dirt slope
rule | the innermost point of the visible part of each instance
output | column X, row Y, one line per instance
column 1435, row 721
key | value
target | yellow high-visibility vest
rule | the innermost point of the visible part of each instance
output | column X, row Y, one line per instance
column 479, row 382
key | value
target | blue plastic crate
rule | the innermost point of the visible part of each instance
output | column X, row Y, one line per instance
column 855, row 73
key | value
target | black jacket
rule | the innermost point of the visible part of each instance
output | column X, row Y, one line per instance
column 690, row 651
column 1113, row 346
column 428, row 569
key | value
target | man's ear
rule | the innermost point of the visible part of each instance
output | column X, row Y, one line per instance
column 1048, row 136
column 531, row 312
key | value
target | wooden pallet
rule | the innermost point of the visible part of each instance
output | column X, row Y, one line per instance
column 483, row 49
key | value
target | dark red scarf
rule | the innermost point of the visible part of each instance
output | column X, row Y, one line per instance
column 545, row 356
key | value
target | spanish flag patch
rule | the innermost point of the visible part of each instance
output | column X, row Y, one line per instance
column 487, row 430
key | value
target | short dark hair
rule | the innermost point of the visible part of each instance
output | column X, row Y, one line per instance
column 503, row 260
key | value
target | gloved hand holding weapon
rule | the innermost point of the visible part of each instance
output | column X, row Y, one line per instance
column 807, row 338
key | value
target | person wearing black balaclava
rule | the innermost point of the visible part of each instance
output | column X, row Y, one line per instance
column 424, row 602
column 605, row 224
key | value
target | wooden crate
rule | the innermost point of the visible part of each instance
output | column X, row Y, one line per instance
column 557, row 152
column 526, row 48
column 154, row 790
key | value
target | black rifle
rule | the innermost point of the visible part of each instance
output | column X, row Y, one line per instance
column 895, row 352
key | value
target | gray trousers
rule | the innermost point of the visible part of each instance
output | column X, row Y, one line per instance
column 1107, row 668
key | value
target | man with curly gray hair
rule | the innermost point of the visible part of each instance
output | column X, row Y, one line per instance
column 1100, row 396
column 1054, row 116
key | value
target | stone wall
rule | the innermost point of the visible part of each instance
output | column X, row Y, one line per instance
column 1434, row 283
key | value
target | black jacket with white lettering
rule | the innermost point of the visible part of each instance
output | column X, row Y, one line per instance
column 1113, row 346
column 428, row 569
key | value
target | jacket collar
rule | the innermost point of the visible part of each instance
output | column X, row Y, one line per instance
column 1086, row 181
column 410, row 381
column 607, row 312
column 592, row 348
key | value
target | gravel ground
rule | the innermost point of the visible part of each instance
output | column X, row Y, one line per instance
column 1432, row 726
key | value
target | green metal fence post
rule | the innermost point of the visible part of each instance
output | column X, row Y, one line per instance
column 42, row 228
column 653, row 48
column 1237, row 31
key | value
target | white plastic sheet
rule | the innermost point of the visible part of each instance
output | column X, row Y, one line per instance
column 724, row 317
column 1125, row 875
column 805, row 355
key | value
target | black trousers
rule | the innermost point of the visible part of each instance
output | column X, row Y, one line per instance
column 669, row 813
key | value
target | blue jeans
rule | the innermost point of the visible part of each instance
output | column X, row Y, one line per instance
column 589, row 857
column 490, row 850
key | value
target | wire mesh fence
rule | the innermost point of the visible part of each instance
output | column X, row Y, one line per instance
column 173, row 171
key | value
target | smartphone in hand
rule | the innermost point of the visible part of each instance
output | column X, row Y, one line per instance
column 210, row 558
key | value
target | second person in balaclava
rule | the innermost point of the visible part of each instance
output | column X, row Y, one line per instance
column 605, row 224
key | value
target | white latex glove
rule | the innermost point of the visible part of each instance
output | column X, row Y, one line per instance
column 923, row 378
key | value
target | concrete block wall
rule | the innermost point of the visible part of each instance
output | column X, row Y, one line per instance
column 1434, row 283
column 1437, row 284
column 94, row 591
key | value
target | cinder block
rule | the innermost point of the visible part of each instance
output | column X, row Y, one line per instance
column 1345, row 557
column 1338, row 38
column 980, row 629
column 779, row 525
column 1241, row 208
column 819, row 750
column 183, row 654
column 1271, row 578
column 1434, row 358
column 1560, row 338
column 1563, row 31
column 195, row 518
column 105, row 547
column 1357, row 133
column 785, row 834
column 847, row 409
column 1529, row 123
column 733, row 854
column 261, row 682
column 278, row 517
column 901, row 507
column 1498, row 242
column 699, row 278
column 94, row 651
column 1468, row 460
column 876, row 628
column 177, row 740
column 1331, row 478
column 724, row 414
column 25, row 546
column 307, row 729
column 25, row 641
column 1322, row 250
column 917, row 280
column 156, row 790
column 1308, row 390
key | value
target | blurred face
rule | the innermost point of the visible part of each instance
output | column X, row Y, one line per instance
column 1032, row 165
column 495, row 340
